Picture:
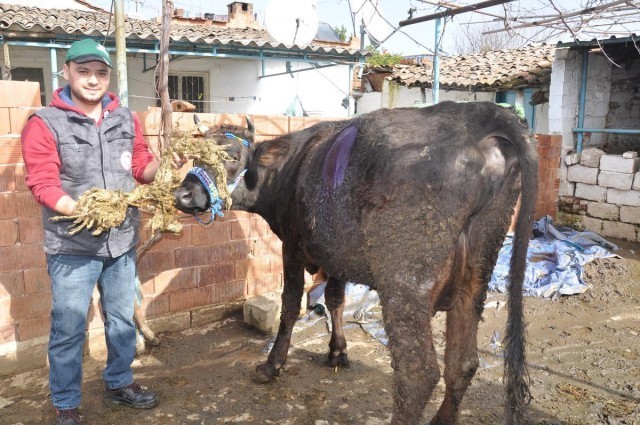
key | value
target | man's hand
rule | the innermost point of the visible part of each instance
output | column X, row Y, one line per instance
column 178, row 161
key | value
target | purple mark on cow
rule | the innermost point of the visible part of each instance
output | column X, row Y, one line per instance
column 335, row 163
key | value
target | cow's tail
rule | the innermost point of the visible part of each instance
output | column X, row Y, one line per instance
column 516, row 377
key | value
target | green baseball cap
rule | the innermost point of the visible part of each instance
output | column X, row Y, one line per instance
column 88, row 50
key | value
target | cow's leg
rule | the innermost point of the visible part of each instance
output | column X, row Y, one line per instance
column 405, row 306
column 291, row 302
column 461, row 355
column 334, row 297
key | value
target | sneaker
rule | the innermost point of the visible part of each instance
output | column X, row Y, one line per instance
column 132, row 395
column 68, row 417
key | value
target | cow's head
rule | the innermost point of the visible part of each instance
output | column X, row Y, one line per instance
column 192, row 196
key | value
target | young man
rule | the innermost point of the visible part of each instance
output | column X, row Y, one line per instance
column 85, row 139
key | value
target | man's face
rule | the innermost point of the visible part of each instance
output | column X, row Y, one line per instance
column 88, row 81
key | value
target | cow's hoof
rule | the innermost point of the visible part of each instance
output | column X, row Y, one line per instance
column 265, row 373
column 341, row 360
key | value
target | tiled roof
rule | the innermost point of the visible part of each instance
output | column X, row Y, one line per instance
column 77, row 22
column 528, row 66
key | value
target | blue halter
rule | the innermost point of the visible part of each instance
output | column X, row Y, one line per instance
column 215, row 202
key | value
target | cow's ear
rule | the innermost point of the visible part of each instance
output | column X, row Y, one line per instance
column 271, row 153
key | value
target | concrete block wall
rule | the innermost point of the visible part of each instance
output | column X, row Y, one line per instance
column 187, row 279
column 601, row 193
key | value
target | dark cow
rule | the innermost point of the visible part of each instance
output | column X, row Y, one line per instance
column 414, row 203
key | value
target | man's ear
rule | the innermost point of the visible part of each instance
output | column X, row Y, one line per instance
column 65, row 71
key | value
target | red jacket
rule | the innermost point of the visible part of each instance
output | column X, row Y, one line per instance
column 40, row 153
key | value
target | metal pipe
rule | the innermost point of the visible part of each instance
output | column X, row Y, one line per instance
column 349, row 112
column 582, row 99
column 54, row 69
column 121, row 53
column 452, row 12
column 435, row 88
column 606, row 130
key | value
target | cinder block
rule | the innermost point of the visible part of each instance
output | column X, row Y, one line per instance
column 572, row 159
column 263, row 311
column 622, row 181
column 582, row 174
column 619, row 164
column 19, row 93
column 636, row 182
column 616, row 229
column 592, row 224
column 630, row 155
column 630, row 215
column 8, row 232
column 603, row 210
column 623, row 197
column 591, row 192
column 591, row 157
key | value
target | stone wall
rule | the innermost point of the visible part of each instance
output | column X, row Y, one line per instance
column 601, row 193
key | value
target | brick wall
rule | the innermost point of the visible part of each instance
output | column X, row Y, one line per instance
column 601, row 193
column 185, row 279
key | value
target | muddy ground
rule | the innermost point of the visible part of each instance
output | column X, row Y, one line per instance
column 583, row 356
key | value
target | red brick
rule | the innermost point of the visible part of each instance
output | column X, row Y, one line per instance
column 216, row 273
column 10, row 150
column 276, row 264
column 175, row 279
column 270, row 125
column 8, row 333
column 253, row 267
column 156, row 305
column 219, row 120
column 150, row 121
column 20, row 173
column 8, row 232
column 228, row 291
column 210, row 254
column 8, row 178
column 170, row 241
column 154, row 262
column 19, row 117
column 19, row 93
column 270, row 245
column 33, row 328
column 259, row 227
column 218, row 231
column 30, row 306
column 187, row 299
column 234, row 215
column 30, row 229
column 18, row 204
column 37, row 280
column 264, row 283
column 5, row 125
column 20, row 257
column 148, row 286
column 11, row 284
column 241, row 229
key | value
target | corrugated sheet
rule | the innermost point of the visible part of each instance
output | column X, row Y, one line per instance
column 33, row 19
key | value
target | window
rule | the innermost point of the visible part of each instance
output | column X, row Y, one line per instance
column 30, row 74
column 190, row 88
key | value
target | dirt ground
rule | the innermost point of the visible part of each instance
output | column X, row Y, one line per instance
column 583, row 356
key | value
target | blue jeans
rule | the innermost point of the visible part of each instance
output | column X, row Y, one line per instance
column 73, row 278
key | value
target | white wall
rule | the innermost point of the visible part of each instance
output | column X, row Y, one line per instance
column 320, row 91
column 564, row 94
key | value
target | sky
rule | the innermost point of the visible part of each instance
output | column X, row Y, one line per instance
column 416, row 39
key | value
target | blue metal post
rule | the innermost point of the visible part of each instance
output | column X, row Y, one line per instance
column 436, row 63
column 54, row 69
column 582, row 100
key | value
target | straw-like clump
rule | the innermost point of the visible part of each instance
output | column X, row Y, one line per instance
column 99, row 210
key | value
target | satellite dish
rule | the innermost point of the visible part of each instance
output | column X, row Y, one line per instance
column 291, row 21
